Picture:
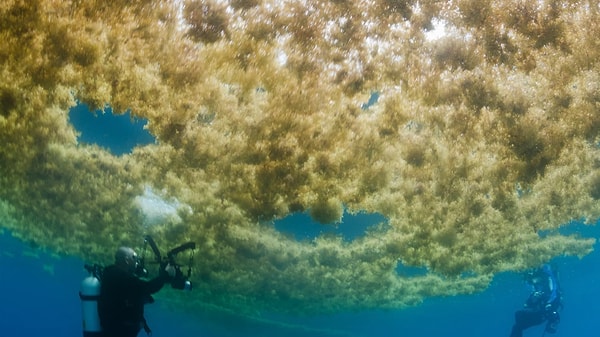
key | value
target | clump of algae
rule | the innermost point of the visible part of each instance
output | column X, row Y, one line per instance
column 479, row 140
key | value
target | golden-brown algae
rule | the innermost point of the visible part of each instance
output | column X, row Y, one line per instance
column 484, row 136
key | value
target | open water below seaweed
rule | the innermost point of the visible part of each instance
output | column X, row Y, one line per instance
column 39, row 298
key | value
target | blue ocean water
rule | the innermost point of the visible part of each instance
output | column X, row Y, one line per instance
column 39, row 291
column 117, row 133
column 39, row 297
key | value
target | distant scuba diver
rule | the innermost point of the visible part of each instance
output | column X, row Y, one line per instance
column 543, row 303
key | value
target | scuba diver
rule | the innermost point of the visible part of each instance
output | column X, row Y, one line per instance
column 543, row 303
column 113, row 298
column 123, row 295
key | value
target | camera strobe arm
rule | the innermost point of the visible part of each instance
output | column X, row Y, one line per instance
column 182, row 248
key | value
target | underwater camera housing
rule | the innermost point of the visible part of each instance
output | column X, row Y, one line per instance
column 180, row 280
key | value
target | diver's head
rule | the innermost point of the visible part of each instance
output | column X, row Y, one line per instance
column 126, row 259
column 534, row 277
column 547, row 269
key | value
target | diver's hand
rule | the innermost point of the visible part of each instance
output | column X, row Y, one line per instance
column 170, row 270
column 167, row 272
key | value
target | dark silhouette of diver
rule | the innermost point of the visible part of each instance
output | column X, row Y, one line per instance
column 123, row 295
column 543, row 302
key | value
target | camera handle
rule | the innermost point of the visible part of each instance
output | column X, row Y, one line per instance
column 141, row 268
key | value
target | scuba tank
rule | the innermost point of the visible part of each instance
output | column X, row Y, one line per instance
column 89, row 294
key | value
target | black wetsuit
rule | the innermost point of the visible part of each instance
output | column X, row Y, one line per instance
column 541, row 306
column 122, row 299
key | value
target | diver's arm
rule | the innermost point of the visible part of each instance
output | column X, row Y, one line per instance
column 155, row 284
